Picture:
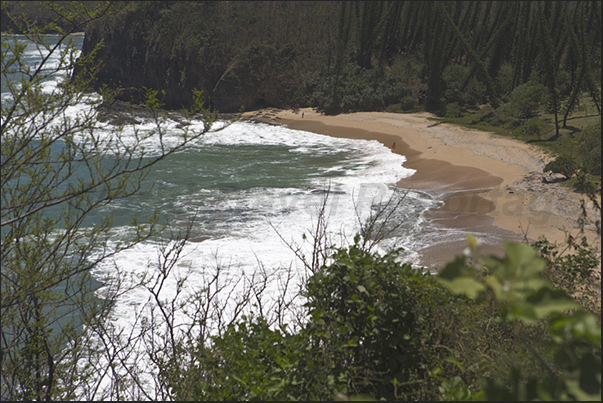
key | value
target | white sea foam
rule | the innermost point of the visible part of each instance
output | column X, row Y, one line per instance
column 253, row 225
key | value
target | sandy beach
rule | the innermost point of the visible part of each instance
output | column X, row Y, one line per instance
column 488, row 183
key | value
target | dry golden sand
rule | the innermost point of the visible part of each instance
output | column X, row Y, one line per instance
column 489, row 183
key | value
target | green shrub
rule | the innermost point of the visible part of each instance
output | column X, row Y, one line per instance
column 372, row 327
column 485, row 115
column 505, row 115
column 504, row 80
column 517, row 285
column 573, row 272
column 563, row 164
column 250, row 361
column 532, row 127
column 590, row 149
column 408, row 103
column 376, row 320
column 453, row 110
column 392, row 332
column 526, row 99
column 375, row 328
column 357, row 89
column 454, row 77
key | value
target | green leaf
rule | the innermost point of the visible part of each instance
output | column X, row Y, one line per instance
column 580, row 324
column 547, row 301
column 464, row 285
column 573, row 387
column 456, row 362
column 456, row 268
column 523, row 312
column 523, row 260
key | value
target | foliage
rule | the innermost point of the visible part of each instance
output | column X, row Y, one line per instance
column 371, row 325
column 358, row 89
column 250, row 361
column 585, row 183
column 454, row 76
column 47, row 15
column 589, row 145
column 516, row 285
column 471, row 53
column 453, row 111
column 505, row 115
column 531, row 127
column 460, row 88
column 526, row 99
column 572, row 268
column 375, row 328
column 374, row 323
column 563, row 164
column 483, row 116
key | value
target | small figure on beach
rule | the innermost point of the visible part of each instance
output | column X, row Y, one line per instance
column 302, row 115
column 394, row 145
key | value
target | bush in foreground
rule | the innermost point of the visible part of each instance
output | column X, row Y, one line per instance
column 377, row 328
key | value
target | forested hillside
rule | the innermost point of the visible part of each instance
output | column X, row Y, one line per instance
column 343, row 56
column 41, row 14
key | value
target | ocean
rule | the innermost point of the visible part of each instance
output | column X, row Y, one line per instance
column 250, row 194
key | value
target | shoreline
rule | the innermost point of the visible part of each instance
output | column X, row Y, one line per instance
column 487, row 183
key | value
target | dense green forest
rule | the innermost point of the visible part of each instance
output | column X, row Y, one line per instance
column 373, row 55
column 519, row 327
column 40, row 14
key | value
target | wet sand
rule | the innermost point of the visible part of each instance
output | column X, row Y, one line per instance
column 474, row 173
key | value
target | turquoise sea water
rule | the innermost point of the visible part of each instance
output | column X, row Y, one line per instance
column 249, row 189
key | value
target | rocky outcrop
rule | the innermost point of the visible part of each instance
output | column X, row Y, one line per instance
column 139, row 51
column 550, row 196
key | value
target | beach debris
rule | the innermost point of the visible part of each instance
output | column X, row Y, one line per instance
column 550, row 177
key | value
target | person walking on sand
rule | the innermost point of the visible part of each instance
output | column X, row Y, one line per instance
column 394, row 145
column 302, row 115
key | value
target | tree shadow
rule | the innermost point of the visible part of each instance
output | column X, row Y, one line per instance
column 532, row 141
column 572, row 129
column 583, row 116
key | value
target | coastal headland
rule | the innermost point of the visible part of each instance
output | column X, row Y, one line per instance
column 488, row 184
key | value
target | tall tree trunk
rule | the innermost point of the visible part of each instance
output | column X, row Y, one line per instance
column 580, row 46
column 476, row 59
column 342, row 41
column 548, row 53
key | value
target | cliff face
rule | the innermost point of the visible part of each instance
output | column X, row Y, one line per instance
column 178, row 47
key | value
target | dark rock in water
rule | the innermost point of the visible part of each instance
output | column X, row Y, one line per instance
column 122, row 113
column 314, row 190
